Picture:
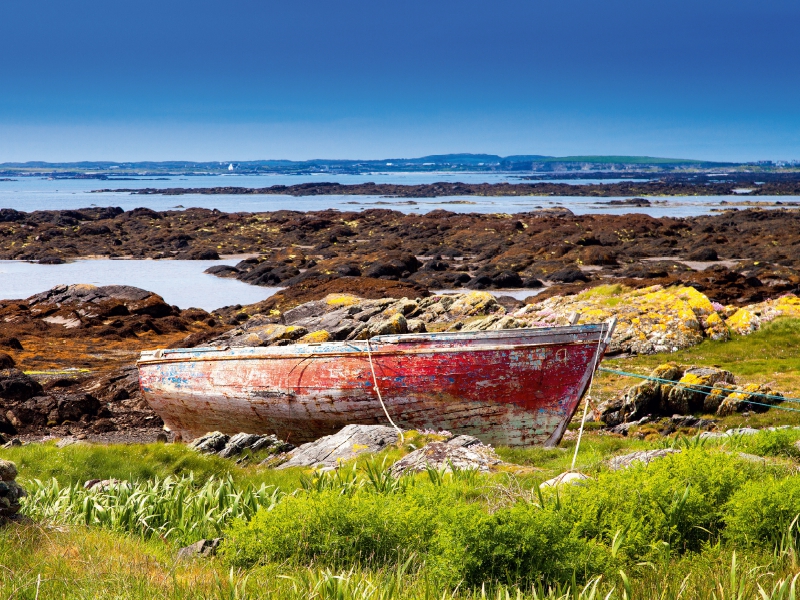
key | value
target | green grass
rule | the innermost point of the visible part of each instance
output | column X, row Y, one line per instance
column 134, row 462
column 469, row 528
column 772, row 353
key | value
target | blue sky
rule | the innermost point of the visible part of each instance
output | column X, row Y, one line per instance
column 237, row 80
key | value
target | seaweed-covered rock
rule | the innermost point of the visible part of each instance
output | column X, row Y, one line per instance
column 15, row 385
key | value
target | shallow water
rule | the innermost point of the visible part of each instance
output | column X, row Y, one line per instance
column 34, row 193
column 37, row 193
column 179, row 282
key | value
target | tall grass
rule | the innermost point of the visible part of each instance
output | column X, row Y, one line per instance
column 175, row 509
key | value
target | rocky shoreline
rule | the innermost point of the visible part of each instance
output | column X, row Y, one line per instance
column 736, row 257
column 662, row 187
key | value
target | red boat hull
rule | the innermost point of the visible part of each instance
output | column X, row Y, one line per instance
column 514, row 388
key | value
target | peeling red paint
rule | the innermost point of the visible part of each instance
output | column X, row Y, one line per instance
column 509, row 387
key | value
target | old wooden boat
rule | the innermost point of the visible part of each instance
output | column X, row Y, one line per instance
column 507, row 387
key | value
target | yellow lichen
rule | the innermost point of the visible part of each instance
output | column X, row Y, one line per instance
column 315, row 337
column 743, row 322
column 341, row 299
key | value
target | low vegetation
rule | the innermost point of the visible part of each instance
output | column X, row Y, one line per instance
column 718, row 519
column 707, row 522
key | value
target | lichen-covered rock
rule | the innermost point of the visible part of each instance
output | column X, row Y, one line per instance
column 227, row 446
column 650, row 320
column 690, row 392
column 474, row 303
column 641, row 399
column 743, row 322
column 416, row 326
column 261, row 335
column 249, row 441
column 750, row 318
column 8, row 470
column 755, row 397
column 719, row 392
column 210, row 443
column 644, row 457
column 348, row 443
column 395, row 324
column 456, row 453
column 670, row 371
column 315, row 337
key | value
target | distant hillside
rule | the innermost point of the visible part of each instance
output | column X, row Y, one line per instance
column 431, row 163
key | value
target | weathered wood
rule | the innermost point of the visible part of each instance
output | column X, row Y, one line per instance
column 505, row 387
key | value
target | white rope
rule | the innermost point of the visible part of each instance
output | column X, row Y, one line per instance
column 586, row 405
column 378, row 391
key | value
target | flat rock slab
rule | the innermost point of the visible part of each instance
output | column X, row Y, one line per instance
column 645, row 456
column 568, row 478
column 729, row 433
column 348, row 443
column 461, row 452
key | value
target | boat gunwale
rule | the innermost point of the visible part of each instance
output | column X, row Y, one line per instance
column 359, row 353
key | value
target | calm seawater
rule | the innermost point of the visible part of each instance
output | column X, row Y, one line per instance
column 33, row 193
column 180, row 282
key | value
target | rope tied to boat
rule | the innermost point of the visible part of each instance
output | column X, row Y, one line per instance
column 588, row 399
column 378, row 392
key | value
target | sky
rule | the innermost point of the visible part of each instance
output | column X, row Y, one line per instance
column 304, row 79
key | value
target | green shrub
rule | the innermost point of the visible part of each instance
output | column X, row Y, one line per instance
column 760, row 513
column 521, row 545
column 675, row 503
column 458, row 538
column 335, row 529
column 770, row 443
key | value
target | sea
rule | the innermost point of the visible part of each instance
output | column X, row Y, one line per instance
column 183, row 282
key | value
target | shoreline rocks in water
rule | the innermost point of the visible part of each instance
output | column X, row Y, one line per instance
column 749, row 255
column 671, row 184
